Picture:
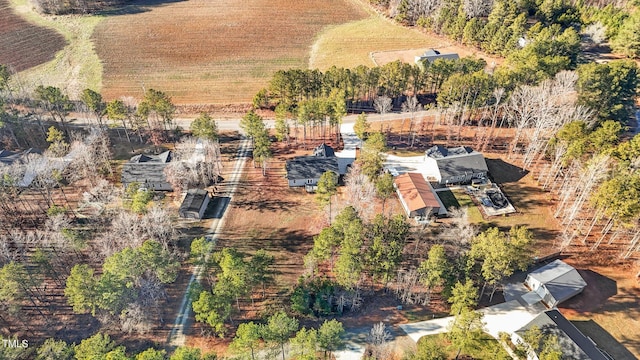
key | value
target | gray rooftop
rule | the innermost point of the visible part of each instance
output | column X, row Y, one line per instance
column 457, row 161
column 148, row 170
column 574, row 344
column 9, row 157
column 561, row 280
column 323, row 150
column 194, row 200
column 310, row 167
column 557, row 272
column 161, row 158
column 432, row 55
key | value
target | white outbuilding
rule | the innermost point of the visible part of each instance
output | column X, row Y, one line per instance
column 555, row 283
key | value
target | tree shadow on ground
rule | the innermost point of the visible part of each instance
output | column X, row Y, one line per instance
column 522, row 199
column 502, row 172
column 538, row 233
column 605, row 341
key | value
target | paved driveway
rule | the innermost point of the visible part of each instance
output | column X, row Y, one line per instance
column 505, row 317
column 348, row 153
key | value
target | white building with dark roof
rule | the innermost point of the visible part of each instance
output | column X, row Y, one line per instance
column 555, row 282
column 453, row 165
column 307, row 170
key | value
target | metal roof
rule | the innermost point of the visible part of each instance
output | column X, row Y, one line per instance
column 557, row 272
column 574, row 344
column 148, row 170
column 310, row 167
column 416, row 192
column 560, row 280
column 9, row 157
column 194, row 200
column 164, row 157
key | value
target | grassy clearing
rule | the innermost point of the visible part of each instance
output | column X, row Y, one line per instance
column 464, row 200
column 349, row 45
column 76, row 66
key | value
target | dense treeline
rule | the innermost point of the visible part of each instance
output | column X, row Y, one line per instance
column 501, row 26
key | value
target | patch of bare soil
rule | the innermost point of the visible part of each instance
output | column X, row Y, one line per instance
column 446, row 47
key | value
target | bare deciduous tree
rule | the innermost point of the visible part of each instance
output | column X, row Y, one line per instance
column 596, row 32
column 382, row 104
column 410, row 105
column 197, row 163
column 135, row 318
column 477, row 8
column 378, row 338
column 360, row 192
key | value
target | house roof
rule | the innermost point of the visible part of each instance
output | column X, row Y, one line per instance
column 561, row 279
column 323, row 150
column 574, row 344
column 161, row 158
column 310, row 167
column 557, row 272
column 457, row 161
column 416, row 192
column 432, row 55
column 148, row 170
column 194, row 200
column 9, row 157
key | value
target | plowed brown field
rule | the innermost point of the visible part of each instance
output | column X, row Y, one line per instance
column 202, row 51
column 24, row 45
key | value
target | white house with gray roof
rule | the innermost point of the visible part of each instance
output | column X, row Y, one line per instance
column 555, row 282
column 306, row 170
column 456, row 165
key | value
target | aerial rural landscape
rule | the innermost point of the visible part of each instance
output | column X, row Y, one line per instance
column 337, row 179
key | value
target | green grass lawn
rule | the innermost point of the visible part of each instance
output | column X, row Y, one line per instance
column 457, row 199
